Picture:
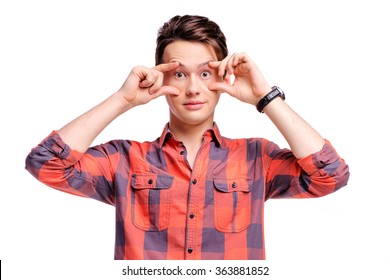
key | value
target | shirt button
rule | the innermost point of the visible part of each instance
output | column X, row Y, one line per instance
column 234, row 185
column 189, row 250
column 192, row 215
column 194, row 182
column 182, row 152
column 150, row 181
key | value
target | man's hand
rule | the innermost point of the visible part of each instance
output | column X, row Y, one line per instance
column 249, row 84
column 144, row 84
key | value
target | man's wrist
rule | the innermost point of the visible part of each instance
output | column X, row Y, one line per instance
column 276, row 92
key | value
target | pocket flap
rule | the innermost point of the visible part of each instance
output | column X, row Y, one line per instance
column 151, row 181
column 232, row 185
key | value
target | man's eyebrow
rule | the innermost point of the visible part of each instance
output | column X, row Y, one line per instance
column 205, row 63
column 199, row 66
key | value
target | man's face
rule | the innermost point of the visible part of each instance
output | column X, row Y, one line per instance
column 196, row 103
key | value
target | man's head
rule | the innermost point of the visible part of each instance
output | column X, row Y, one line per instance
column 192, row 42
column 191, row 28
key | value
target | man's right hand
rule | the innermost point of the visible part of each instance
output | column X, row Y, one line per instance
column 144, row 84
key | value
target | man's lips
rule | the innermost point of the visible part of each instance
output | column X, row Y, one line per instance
column 194, row 105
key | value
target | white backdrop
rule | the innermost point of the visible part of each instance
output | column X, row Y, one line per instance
column 60, row 58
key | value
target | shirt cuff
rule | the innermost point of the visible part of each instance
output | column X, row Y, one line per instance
column 55, row 145
column 320, row 159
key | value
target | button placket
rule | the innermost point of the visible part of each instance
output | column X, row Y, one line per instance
column 191, row 222
column 196, row 187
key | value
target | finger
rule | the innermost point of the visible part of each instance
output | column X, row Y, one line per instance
column 222, row 66
column 239, row 58
column 148, row 80
column 166, row 90
column 236, row 60
column 229, row 64
column 144, row 75
column 157, row 83
column 221, row 87
column 215, row 65
column 165, row 67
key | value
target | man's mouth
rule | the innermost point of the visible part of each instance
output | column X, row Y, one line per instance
column 193, row 105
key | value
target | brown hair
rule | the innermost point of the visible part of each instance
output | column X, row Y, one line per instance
column 191, row 28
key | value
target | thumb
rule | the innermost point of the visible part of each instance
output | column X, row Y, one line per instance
column 220, row 86
column 166, row 90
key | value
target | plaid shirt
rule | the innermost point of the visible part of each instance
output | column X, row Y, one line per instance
column 166, row 210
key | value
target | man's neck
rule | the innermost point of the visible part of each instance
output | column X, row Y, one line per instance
column 190, row 135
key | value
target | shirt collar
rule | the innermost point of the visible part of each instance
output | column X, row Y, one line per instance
column 213, row 133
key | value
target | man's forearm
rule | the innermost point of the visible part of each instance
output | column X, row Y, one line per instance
column 301, row 137
column 80, row 132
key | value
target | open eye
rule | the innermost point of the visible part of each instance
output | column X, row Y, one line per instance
column 179, row 75
column 205, row 74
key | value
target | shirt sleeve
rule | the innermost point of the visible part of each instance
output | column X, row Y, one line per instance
column 316, row 175
column 88, row 174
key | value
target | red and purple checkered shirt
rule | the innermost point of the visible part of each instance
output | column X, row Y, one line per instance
column 166, row 210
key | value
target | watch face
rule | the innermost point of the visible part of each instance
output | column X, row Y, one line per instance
column 279, row 89
column 275, row 92
column 281, row 92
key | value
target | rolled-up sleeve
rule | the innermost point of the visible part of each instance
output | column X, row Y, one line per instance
column 87, row 174
column 316, row 175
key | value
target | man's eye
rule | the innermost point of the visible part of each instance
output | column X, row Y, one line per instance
column 205, row 74
column 179, row 75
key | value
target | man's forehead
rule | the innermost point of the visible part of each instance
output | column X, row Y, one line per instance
column 200, row 65
column 188, row 53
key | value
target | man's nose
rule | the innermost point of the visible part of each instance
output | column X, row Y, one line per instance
column 193, row 86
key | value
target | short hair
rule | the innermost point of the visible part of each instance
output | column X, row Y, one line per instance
column 191, row 28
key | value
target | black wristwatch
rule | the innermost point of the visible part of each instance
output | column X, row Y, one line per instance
column 275, row 92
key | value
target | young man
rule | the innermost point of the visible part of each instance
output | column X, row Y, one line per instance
column 191, row 193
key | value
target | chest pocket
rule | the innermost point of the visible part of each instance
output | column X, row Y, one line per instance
column 232, row 207
column 150, row 200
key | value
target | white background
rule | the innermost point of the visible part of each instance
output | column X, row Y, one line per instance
column 60, row 58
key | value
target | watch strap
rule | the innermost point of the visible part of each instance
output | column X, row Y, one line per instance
column 274, row 93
